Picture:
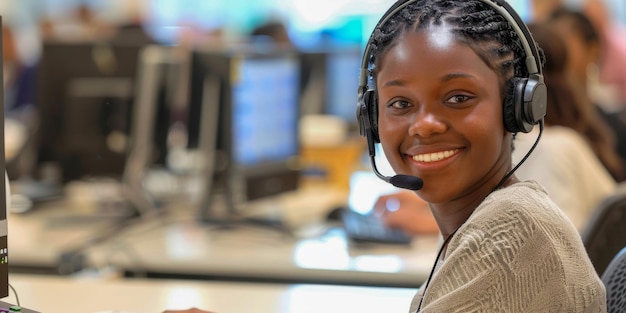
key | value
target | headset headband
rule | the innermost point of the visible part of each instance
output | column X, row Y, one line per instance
column 501, row 6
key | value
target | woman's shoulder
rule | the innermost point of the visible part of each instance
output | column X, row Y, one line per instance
column 528, row 194
column 514, row 219
column 518, row 236
column 522, row 205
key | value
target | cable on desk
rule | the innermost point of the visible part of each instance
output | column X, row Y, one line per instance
column 17, row 299
column 75, row 259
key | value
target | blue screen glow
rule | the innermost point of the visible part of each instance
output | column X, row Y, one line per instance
column 265, row 109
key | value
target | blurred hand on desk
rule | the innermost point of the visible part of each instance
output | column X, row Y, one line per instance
column 406, row 211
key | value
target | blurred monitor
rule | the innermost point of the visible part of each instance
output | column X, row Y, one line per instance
column 330, row 79
column 159, row 85
column 256, row 96
column 85, row 99
column 4, row 198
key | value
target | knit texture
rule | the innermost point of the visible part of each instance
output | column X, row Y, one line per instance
column 517, row 252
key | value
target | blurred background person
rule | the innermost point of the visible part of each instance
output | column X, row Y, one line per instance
column 132, row 29
column 568, row 160
column 407, row 211
column 583, row 43
column 19, row 76
column 584, row 50
column 81, row 23
column 612, row 63
column 273, row 31
column 541, row 9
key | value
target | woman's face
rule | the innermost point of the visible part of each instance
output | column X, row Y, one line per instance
column 440, row 116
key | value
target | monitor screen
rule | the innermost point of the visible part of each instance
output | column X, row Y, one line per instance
column 265, row 110
column 342, row 82
column 259, row 130
column 330, row 79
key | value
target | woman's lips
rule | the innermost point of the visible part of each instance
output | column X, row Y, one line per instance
column 434, row 156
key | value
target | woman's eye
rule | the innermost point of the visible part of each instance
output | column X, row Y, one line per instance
column 456, row 99
column 399, row 104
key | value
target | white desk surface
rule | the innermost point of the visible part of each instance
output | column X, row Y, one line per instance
column 192, row 249
column 52, row 294
column 181, row 247
column 36, row 239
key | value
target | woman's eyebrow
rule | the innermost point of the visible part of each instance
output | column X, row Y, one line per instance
column 451, row 76
column 395, row 82
column 443, row 79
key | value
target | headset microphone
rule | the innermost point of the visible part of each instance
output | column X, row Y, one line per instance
column 400, row 181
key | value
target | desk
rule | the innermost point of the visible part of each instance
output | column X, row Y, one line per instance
column 37, row 239
column 187, row 249
column 178, row 246
column 65, row 295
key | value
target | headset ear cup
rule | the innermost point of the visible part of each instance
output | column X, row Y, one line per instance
column 361, row 116
column 511, row 100
column 369, row 114
column 374, row 115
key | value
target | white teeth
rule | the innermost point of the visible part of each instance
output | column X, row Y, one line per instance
column 433, row 157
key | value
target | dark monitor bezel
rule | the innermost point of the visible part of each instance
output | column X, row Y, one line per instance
column 63, row 64
column 4, row 231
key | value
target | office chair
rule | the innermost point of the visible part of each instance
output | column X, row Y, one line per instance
column 614, row 279
column 603, row 236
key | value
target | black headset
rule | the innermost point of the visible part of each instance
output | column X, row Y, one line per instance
column 525, row 101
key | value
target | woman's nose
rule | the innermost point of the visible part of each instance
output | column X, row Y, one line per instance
column 426, row 123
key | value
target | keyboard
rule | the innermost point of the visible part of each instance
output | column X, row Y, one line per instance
column 362, row 228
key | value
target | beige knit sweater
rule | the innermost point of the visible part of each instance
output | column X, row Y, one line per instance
column 517, row 252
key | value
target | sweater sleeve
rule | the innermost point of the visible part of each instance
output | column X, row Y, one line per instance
column 509, row 258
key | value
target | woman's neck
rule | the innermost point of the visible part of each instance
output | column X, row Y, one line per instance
column 450, row 216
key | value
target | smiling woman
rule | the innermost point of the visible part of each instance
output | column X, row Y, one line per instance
column 449, row 84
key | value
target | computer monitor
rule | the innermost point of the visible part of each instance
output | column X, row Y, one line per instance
column 256, row 95
column 330, row 79
column 4, row 194
column 84, row 99
column 342, row 81
column 159, row 69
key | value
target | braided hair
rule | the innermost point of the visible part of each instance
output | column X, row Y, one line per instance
column 472, row 22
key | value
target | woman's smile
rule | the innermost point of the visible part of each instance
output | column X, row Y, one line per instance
column 434, row 156
column 433, row 162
